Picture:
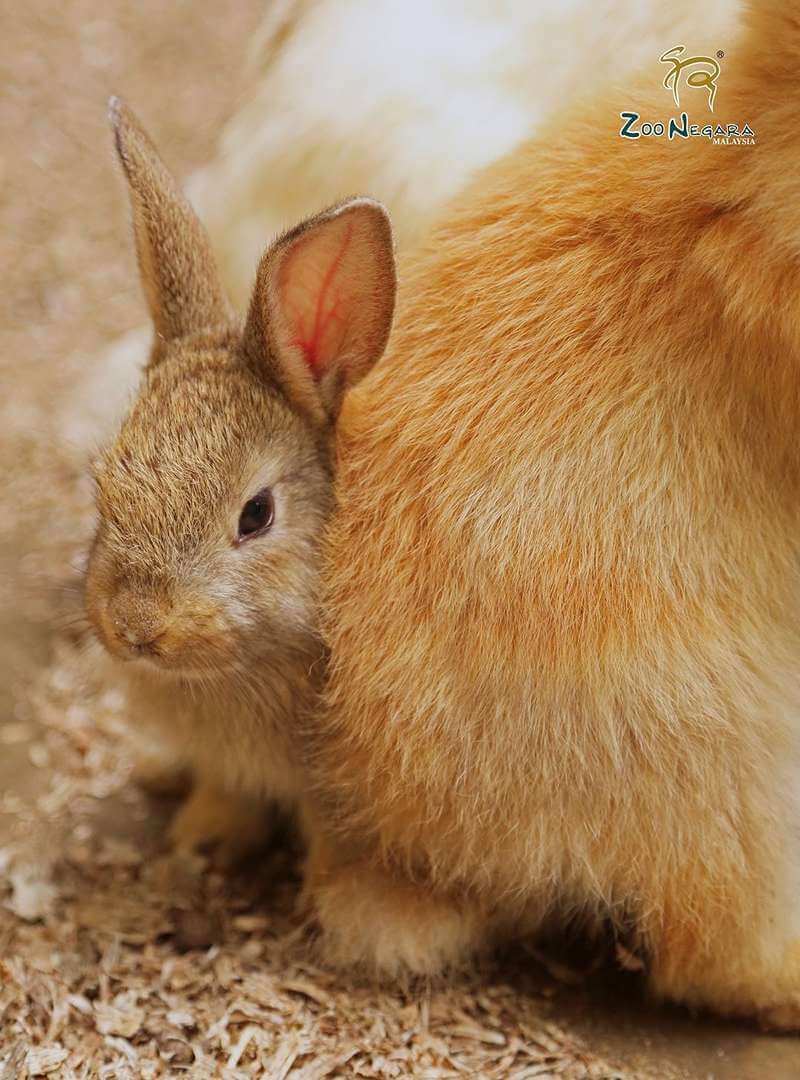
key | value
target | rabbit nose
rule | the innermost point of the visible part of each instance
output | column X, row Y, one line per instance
column 137, row 625
column 138, row 643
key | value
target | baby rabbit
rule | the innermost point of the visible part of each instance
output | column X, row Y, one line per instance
column 562, row 582
column 202, row 576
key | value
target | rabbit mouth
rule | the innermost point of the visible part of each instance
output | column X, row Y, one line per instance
column 199, row 667
column 141, row 629
column 161, row 656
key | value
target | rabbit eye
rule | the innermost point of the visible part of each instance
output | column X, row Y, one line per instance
column 257, row 515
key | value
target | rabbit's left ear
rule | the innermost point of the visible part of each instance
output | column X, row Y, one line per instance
column 177, row 268
column 322, row 305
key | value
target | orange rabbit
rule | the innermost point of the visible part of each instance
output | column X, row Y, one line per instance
column 563, row 580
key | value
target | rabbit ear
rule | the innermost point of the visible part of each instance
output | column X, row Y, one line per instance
column 179, row 277
column 322, row 305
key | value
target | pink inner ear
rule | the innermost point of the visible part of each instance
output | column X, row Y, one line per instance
column 313, row 297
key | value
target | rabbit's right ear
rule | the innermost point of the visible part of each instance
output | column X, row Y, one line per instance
column 178, row 273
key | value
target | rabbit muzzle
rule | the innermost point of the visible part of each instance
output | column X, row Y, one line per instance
column 182, row 634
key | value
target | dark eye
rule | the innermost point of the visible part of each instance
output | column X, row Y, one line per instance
column 257, row 515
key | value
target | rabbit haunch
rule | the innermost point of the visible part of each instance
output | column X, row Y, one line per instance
column 562, row 582
column 202, row 580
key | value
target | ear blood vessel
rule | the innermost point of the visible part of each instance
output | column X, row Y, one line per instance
column 229, row 440
column 563, row 576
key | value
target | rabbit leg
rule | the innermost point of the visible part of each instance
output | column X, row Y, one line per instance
column 743, row 961
column 161, row 776
column 229, row 826
column 374, row 919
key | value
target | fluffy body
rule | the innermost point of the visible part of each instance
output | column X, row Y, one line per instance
column 406, row 101
column 563, row 578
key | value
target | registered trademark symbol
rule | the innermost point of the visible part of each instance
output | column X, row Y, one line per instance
column 720, row 54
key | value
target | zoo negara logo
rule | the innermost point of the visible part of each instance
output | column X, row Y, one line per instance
column 702, row 71
column 698, row 72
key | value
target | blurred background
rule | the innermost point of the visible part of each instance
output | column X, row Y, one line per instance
column 113, row 956
column 68, row 267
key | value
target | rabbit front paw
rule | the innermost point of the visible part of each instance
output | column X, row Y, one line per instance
column 227, row 827
column 743, row 974
column 388, row 926
column 161, row 777
column 784, row 1017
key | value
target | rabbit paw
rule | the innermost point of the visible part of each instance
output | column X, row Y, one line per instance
column 391, row 927
column 161, row 777
column 785, row 1017
column 224, row 826
column 748, row 978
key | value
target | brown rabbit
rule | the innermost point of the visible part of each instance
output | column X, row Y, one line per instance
column 563, row 576
column 202, row 577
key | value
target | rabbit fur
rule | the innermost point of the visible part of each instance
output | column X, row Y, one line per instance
column 210, row 611
column 562, row 582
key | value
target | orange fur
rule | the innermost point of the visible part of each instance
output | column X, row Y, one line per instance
column 563, row 578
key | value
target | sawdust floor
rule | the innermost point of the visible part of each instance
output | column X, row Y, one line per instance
column 116, row 960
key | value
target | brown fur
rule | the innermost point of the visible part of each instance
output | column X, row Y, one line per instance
column 218, row 634
column 563, row 577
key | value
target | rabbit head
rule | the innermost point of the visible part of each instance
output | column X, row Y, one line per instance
column 212, row 497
